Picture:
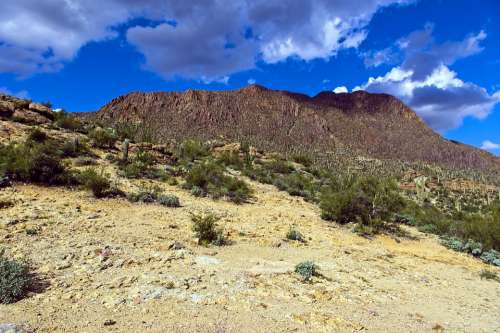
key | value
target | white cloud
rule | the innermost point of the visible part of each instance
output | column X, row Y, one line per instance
column 251, row 81
column 340, row 90
column 488, row 145
column 209, row 41
column 425, row 82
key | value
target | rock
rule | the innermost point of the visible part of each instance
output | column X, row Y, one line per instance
column 204, row 260
column 176, row 246
column 30, row 117
column 6, row 109
column 42, row 110
column 11, row 328
column 109, row 322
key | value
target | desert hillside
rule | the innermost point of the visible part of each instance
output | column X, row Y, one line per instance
column 329, row 124
column 105, row 233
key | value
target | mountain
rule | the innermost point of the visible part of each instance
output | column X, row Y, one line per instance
column 374, row 125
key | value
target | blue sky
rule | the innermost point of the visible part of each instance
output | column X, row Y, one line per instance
column 441, row 57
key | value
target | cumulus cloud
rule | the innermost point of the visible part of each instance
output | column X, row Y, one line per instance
column 426, row 83
column 340, row 90
column 489, row 145
column 210, row 39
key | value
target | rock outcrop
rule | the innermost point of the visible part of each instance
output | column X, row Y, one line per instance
column 24, row 111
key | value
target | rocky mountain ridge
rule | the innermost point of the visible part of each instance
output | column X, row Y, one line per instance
column 374, row 125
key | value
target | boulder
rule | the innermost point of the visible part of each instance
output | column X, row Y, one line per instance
column 42, row 109
column 29, row 117
column 7, row 109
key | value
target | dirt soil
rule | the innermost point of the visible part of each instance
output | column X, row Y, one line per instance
column 114, row 266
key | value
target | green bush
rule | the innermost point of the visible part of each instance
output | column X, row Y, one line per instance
column 33, row 162
column 209, row 179
column 68, row 121
column 97, row 182
column 303, row 159
column 307, row 270
column 295, row 235
column 192, row 150
column 103, row 138
column 37, row 135
column 141, row 166
column 206, row 229
column 231, row 159
column 149, row 194
column 361, row 200
column 15, row 280
column 169, row 200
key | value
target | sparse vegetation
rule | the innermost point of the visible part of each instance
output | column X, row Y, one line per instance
column 368, row 201
column 67, row 121
column 15, row 279
column 489, row 275
column 295, row 235
column 206, row 229
column 208, row 178
column 192, row 150
column 169, row 200
column 97, row 182
column 37, row 135
column 103, row 138
column 307, row 270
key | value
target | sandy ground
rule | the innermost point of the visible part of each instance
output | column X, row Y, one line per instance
column 109, row 267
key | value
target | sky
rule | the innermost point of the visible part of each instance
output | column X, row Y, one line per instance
column 441, row 57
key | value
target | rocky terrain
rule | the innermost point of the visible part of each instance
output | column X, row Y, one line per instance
column 112, row 265
column 359, row 123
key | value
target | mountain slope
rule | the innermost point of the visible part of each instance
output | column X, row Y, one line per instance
column 376, row 125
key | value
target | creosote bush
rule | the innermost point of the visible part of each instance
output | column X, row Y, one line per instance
column 192, row 150
column 295, row 235
column 206, row 229
column 34, row 162
column 169, row 200
column 103, row 138
column 37, row 135
column 368, row 201
column 15, row 280
column 67, row 121
column 307, row 270
column 208, row 178
column 97, row 182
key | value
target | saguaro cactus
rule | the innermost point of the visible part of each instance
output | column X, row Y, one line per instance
column 126, row 144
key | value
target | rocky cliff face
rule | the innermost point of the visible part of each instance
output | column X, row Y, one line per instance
column 375, row 125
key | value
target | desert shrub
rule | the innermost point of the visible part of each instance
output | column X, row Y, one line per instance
column 192, row 150
column 231, row 159
column 297, row 184
column 362, row 200
column 33, row 162
column 141, row 166
column 489, row 275
column 279, row 166
column 67, row 121
column 147, row 194
column 307, row 270
column 295, row 235
column 303, row 159
column 15, row 280
column 209, row 179
column 103, row 138
column 169, row 200
column 126, row 131
column 206, row 229
column 74, row 148
column 37, row 135
column 97, row 182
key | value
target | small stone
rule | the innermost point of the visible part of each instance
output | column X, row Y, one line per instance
column 109, row 322
column 11, row 328
column 176, row 246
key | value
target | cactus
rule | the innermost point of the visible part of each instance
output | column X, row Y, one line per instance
column 126, row 144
